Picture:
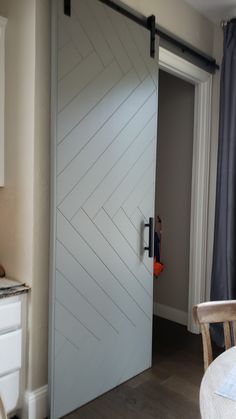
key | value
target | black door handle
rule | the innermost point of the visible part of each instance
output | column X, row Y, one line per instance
column 150, row 246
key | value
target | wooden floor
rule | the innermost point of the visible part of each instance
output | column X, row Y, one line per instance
column 168, row 391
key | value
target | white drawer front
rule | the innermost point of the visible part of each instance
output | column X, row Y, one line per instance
column 10, row 352
column 10, row 316
column 10, row 390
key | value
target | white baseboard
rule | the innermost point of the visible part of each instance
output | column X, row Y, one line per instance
column 170, row 313
column 36, row 403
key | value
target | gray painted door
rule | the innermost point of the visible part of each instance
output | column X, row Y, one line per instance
column 104, row 173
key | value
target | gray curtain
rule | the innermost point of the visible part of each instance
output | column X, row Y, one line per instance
column 223, row 285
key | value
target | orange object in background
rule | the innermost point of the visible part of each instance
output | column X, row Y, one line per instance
column 158, row 268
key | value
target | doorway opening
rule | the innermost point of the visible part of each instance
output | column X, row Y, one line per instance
column 183, row 151
column 173, row 196
column 199, row 261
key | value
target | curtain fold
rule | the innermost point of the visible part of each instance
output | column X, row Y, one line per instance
column 223, row 283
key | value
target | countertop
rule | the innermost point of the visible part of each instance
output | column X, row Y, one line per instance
column 14, row 291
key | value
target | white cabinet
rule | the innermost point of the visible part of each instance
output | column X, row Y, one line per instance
column 10, row 390
column 10, row 316
column 3, row 23
column 12, row 351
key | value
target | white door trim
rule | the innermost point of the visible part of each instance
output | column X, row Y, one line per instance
column 200, row 173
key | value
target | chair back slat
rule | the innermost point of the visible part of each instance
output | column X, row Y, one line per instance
column 227, row 336
column 3, row 414
column 207, row 348
column 234, row 331
column 216, row 312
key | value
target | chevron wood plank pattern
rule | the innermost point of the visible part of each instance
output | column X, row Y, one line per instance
column 95, row 147
column 129, row 232
column 140, row 40
column 91, row 27
column 77, row 79
column 128, row 43
column 105, row 153
column 106, row 246
column 68, row 59
column 70, row 330
column 138, row 220
column 83, row 103
column 124, row 174
column 95, row 162
column 96, row 119
column 127, row 255
column 72, row 29
column 146, row 204
column 63, row 38
column 81, row 251
column 119, row 53
column 81, row 310
column 131, row 203
column 142, row 160
column 91, row 291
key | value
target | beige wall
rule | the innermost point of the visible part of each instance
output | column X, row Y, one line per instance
column 179, row 18
column 173, row 187
column 24, row 202
column 16, row 199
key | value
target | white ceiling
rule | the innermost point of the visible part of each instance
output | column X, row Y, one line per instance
column 215, row 10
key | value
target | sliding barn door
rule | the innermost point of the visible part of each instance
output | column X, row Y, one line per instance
column 105, row 156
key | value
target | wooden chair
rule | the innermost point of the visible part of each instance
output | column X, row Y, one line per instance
column 3, row 414
column 215, row 312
